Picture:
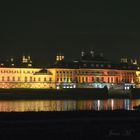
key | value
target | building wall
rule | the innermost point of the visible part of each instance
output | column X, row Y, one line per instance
column 63, row 77
column 24, row 78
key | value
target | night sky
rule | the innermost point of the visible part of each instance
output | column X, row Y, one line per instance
column 42, row 29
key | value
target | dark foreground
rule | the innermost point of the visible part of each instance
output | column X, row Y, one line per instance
column 70, row 125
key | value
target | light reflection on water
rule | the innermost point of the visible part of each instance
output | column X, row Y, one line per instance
column 67, row 105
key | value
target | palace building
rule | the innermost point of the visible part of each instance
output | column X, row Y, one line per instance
column 91, row 71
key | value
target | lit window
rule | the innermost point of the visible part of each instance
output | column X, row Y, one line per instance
column 30, row 79
column 97, row 65
column 39, row 79
column 50, row 79
column 45, row 79
column 109, row 66
column 2, row 78
column 102, row 79
column 8, row 78
column 13, row 78
column 102, row 65
column 86, row 79
column 18, row 78
column 25, row 79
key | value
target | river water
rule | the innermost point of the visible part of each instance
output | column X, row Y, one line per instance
column 66, row 105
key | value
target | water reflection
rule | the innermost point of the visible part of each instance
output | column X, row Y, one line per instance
column 67, row 105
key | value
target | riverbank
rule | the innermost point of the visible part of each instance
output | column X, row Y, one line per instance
column 70, row 125
column 67, row 94
column 53, row 94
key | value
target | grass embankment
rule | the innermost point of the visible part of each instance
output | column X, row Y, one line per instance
column 52, row 94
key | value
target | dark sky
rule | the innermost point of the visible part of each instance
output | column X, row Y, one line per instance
column 42, row 28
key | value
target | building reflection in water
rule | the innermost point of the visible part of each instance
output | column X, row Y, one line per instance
column 67, row 105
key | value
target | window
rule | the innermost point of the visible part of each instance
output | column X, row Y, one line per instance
column 45, row 79
column 2, row 78
column 8, row 78
column 50, row 79
column 111, row 79
column 18, row 78
column 97, row 65
column 92, row 79
column 102, row 79
column 108, row 80
column 13, row 78
column 102, row 65
column 109, row 66
column 92, row 65
column 117, row 80
column 39, row 79
column 82, row 79
column 86, row 79
column 97, row 79
column 25, row 79
column 30, row 79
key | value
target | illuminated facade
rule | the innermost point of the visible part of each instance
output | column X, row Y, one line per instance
column 90, row 72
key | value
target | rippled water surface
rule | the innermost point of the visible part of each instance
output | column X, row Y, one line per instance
column 67, row 105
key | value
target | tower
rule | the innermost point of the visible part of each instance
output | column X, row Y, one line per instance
column 60, row 57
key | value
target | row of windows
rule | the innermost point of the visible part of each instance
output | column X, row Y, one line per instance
column 79, row 72
column 17, row 71
column 64, row 79
column 63, row 71
column 128, row 73
column 98, row 79
column 96, row 72
column 26, row 79
column 97, row 65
